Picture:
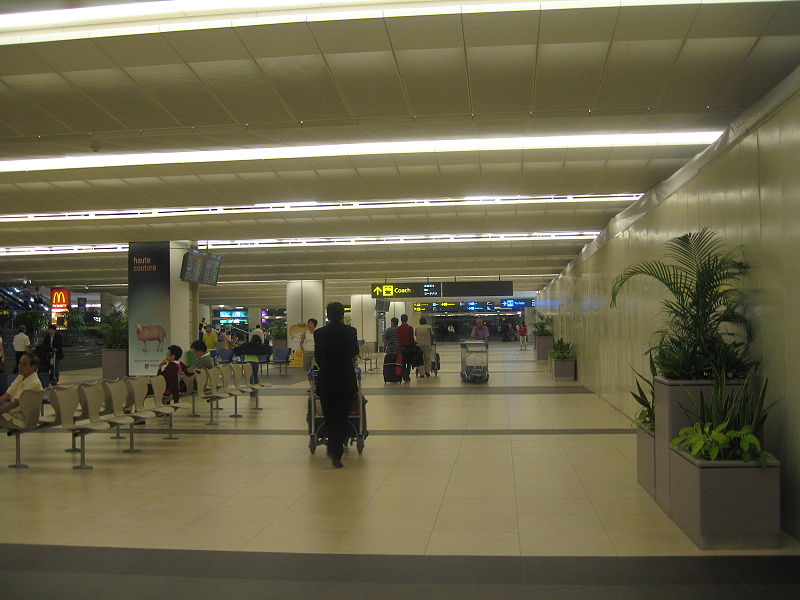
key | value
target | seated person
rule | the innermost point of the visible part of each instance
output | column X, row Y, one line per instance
column 203, row 358
column 170, row 369
column 26, row 380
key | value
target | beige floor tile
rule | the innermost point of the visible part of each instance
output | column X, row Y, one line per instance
column 470, row 523
column 412, row 542
column 653, row 543
column 579, row 524
column 271, row 540
column 485, row 544
column 580, row 505
column 565, row 544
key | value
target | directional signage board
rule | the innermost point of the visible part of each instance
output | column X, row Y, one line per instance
column 406, row 290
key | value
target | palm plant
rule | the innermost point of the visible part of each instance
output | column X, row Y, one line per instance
column 705, row 312
column 562, row 350
column 543, row 325
column 114, row 329
column 646, row 416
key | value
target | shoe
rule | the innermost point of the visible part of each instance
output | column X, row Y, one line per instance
column 407, row 379
column 336, row 462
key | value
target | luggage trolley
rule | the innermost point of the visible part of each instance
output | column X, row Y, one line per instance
column 475, row 362
column 356, row 422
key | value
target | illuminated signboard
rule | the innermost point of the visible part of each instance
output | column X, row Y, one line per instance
column 473, row 305
column 438, row 289
column 59, row 299
column 406, row 290
column 516, row 304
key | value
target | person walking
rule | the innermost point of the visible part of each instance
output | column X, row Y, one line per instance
column 22, row 344
column 390, row 345
column 480, row 331
column 523, row 336
column 54, row 346
column 336, row 351
column 405, row 337
column 424, row 336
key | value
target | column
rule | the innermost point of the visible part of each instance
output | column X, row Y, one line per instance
column 253, row 317
column 364, row 317
column 395, row 310
column 159, row 304
column 304, row 300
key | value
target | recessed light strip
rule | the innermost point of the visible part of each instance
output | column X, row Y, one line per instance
column 277, row 207
column 445, row 238
column 185, row 15
column 611, row 140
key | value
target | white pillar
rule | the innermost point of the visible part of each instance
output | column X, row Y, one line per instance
column 304, row 301
column 253, row 317
column 183, row 324
column 364, row 317
column 395, row 310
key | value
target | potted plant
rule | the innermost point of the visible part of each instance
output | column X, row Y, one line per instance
column 542, row 329
column 705, row 332
column 114, row 329
column 724, row 487
column 561, row 361
column 278, row 333
column 645, row 431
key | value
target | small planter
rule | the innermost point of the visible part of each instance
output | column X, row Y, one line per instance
column 279, row 343
column 543, row 344
column 562, row 369
column 725, row 504
column 669, row 395
column 646, row 459
column 115, row 363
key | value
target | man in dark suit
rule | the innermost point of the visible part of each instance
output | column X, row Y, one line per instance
column 335, row 350
column 53, row 344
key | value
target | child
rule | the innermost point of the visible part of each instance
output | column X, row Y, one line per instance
column 170, row 369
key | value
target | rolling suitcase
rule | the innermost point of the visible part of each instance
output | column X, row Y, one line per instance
column 436, row 364
column 393, row 368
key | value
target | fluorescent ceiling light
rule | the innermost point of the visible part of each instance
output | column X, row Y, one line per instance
column 183, row 15
column 443, row 238
column 609, row 140
column 278, row 207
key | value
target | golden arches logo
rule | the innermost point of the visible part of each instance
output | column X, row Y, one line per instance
column 59, row 297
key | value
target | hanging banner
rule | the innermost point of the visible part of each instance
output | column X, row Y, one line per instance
column 148, row 306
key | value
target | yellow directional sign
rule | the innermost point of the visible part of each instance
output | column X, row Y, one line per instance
column 406, row 290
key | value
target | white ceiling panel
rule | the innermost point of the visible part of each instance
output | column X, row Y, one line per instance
column 568, row 76
column 435, row 80
column 501, row 78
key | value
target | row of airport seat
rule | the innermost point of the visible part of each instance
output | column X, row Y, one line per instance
column 280, row 357
column 96, row 407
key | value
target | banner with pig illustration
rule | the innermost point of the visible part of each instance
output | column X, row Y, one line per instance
column 148, row 306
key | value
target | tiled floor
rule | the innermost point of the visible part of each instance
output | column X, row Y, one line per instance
column 453, row 472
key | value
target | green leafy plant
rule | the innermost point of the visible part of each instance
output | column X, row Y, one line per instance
column 562, row 350
column 114, row 329
column 35, row 321
column 543, row 325
column 727, row 424
column 705, row 315
column 647, row 416
column 76, row 324
column 278, row 330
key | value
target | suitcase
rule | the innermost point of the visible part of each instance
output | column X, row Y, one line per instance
column 436, row 364
column 393, row 368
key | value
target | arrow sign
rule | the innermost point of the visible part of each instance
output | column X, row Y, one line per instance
column 378, row 290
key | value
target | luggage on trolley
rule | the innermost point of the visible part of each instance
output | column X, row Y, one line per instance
column 356, row 422
column 475, row 362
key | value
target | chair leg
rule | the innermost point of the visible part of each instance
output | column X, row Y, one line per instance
column 118, row 436
column 132, row 449
column 211, row 413
column 18, row 464
column 83, row 465
column 235, row 414
column 256, row 394
column 194, row 410
column 74, row 447
column 171, row 435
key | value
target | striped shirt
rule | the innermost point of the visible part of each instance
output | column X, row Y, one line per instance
column 390, row 340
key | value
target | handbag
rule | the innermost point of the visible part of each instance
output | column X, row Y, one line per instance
column 413, row 354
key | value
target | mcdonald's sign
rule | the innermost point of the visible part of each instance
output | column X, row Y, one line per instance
column 59, row 299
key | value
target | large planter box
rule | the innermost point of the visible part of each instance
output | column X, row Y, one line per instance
column 279, row 343
column 669, row 395
column 646, row 459
column 542, row 344
column 115, row 363
column 562, row 370
column 725, row 504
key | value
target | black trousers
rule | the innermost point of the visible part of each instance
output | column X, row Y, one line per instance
column 336, row 409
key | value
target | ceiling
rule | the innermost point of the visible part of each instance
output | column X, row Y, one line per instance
column 553, row 72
